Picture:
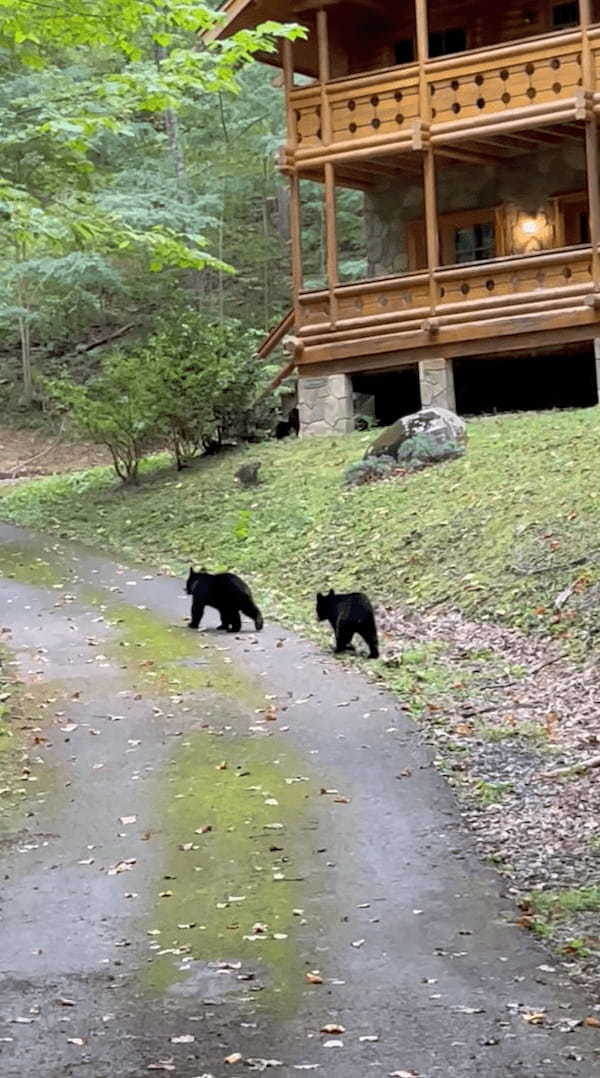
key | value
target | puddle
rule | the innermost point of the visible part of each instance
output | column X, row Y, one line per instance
column 233, row 888
column 29, row 568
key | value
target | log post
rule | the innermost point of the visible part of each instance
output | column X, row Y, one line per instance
column 329, row 171
column 296, row 243
column 429, row 188
column 591, row 140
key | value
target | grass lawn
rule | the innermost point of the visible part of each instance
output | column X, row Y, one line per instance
column 498, row 534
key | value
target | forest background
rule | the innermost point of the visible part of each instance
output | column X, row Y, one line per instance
column 138, row 181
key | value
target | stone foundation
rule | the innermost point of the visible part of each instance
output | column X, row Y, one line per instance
column 326, row 405
column 436, row 379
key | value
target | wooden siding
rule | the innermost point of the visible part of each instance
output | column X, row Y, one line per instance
column 471, row 291
column 540, row 80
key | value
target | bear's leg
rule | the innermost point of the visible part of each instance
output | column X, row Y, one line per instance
column 224, row 614
column 197, row 612
column 234, row 620
column 251, row 611
column 368, row 632
column 343, row 636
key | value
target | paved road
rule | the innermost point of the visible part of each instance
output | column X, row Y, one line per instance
column 204, row 821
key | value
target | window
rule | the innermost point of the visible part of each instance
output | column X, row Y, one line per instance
column 564, row 15
column 465, row 236
column 473, row 243
column 404, row 51
column 575, row 220
column 442, row 42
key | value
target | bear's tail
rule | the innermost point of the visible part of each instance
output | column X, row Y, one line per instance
column 258, row 620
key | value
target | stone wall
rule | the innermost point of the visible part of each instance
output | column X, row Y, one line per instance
column 326, row 405
column 436, row 379
column 527, row 181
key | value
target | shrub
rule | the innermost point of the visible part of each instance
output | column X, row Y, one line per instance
column 369, row 470
column 205, row 379
column 423, row 449
column 114, row 409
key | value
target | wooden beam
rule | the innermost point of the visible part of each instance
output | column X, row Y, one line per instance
column 331, row 240
column 287, row 60
column 592, row 161
column 324, row 75
column 470, row 157
column 296, row 242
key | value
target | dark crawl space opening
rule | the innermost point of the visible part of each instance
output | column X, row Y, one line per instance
column 526, row 383
column 386, row 397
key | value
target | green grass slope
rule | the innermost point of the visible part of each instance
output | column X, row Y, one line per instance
column 498, row 534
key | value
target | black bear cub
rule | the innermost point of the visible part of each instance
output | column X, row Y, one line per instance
column 227, row 593
column 347, row 615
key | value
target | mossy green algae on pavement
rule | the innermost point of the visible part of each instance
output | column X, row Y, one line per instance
column 232, row 811
column 171, row 658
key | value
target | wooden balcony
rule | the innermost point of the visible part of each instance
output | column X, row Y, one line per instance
column 523, row 84
column 499, row 296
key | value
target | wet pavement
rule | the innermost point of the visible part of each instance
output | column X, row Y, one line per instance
column 229, row 853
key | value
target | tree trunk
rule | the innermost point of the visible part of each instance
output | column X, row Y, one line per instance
column 25, row 339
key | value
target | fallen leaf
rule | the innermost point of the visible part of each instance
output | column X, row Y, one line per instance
column 75, row 1040
column 186, row 1038
column 222, row 766
column 162, row 1065
column 165, row 894
column 233, row 1058
column 370, row 1037
column 66, row 1002
column 403, row 1074
column 121, row 866
column 314, row 978
column 127, row 819
column 203, row 830
column 186, row 846
column 357, row 943
column 332, row 1027
column 333, row 1044
column 592, row 1021
column 535, row 1018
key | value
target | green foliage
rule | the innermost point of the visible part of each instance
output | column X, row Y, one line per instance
column 203, row 379
column 115, row 409
column 369, row 470
column 91, row 100
column 467, row 535
column 423, row 449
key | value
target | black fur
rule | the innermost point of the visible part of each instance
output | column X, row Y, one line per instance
column 227, row 593
column 347, row 615
column 288, row 426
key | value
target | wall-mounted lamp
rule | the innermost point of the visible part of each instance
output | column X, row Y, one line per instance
column 530, row 226
column 530, row 232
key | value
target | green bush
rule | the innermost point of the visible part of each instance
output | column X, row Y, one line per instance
column 115, row 409
column 206, row 380
column 190, row 385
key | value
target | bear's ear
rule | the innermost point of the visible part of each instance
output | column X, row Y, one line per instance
column 331, row 592
column 319, row 595
column 191, row 568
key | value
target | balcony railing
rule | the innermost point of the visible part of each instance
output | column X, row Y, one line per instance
column 521, row 284
column 539, row 79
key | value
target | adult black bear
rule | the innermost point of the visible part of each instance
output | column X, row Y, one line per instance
column 227, row 593
column 289, row 425
column 347, row 615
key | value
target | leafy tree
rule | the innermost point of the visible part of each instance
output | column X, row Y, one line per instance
column 107, row 75
column 204, row 379
column 115, row 409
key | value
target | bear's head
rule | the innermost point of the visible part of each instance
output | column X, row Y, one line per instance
column 324, row 604
column 193, row 579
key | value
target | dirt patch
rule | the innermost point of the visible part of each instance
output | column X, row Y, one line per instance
column 514, row 724
column 31, row 453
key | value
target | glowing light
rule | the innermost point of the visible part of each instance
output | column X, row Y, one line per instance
column 530, row 226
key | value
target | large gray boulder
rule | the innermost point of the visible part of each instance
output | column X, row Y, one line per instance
column 431, row 435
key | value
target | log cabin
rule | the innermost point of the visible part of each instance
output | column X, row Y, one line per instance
column 453, row 149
